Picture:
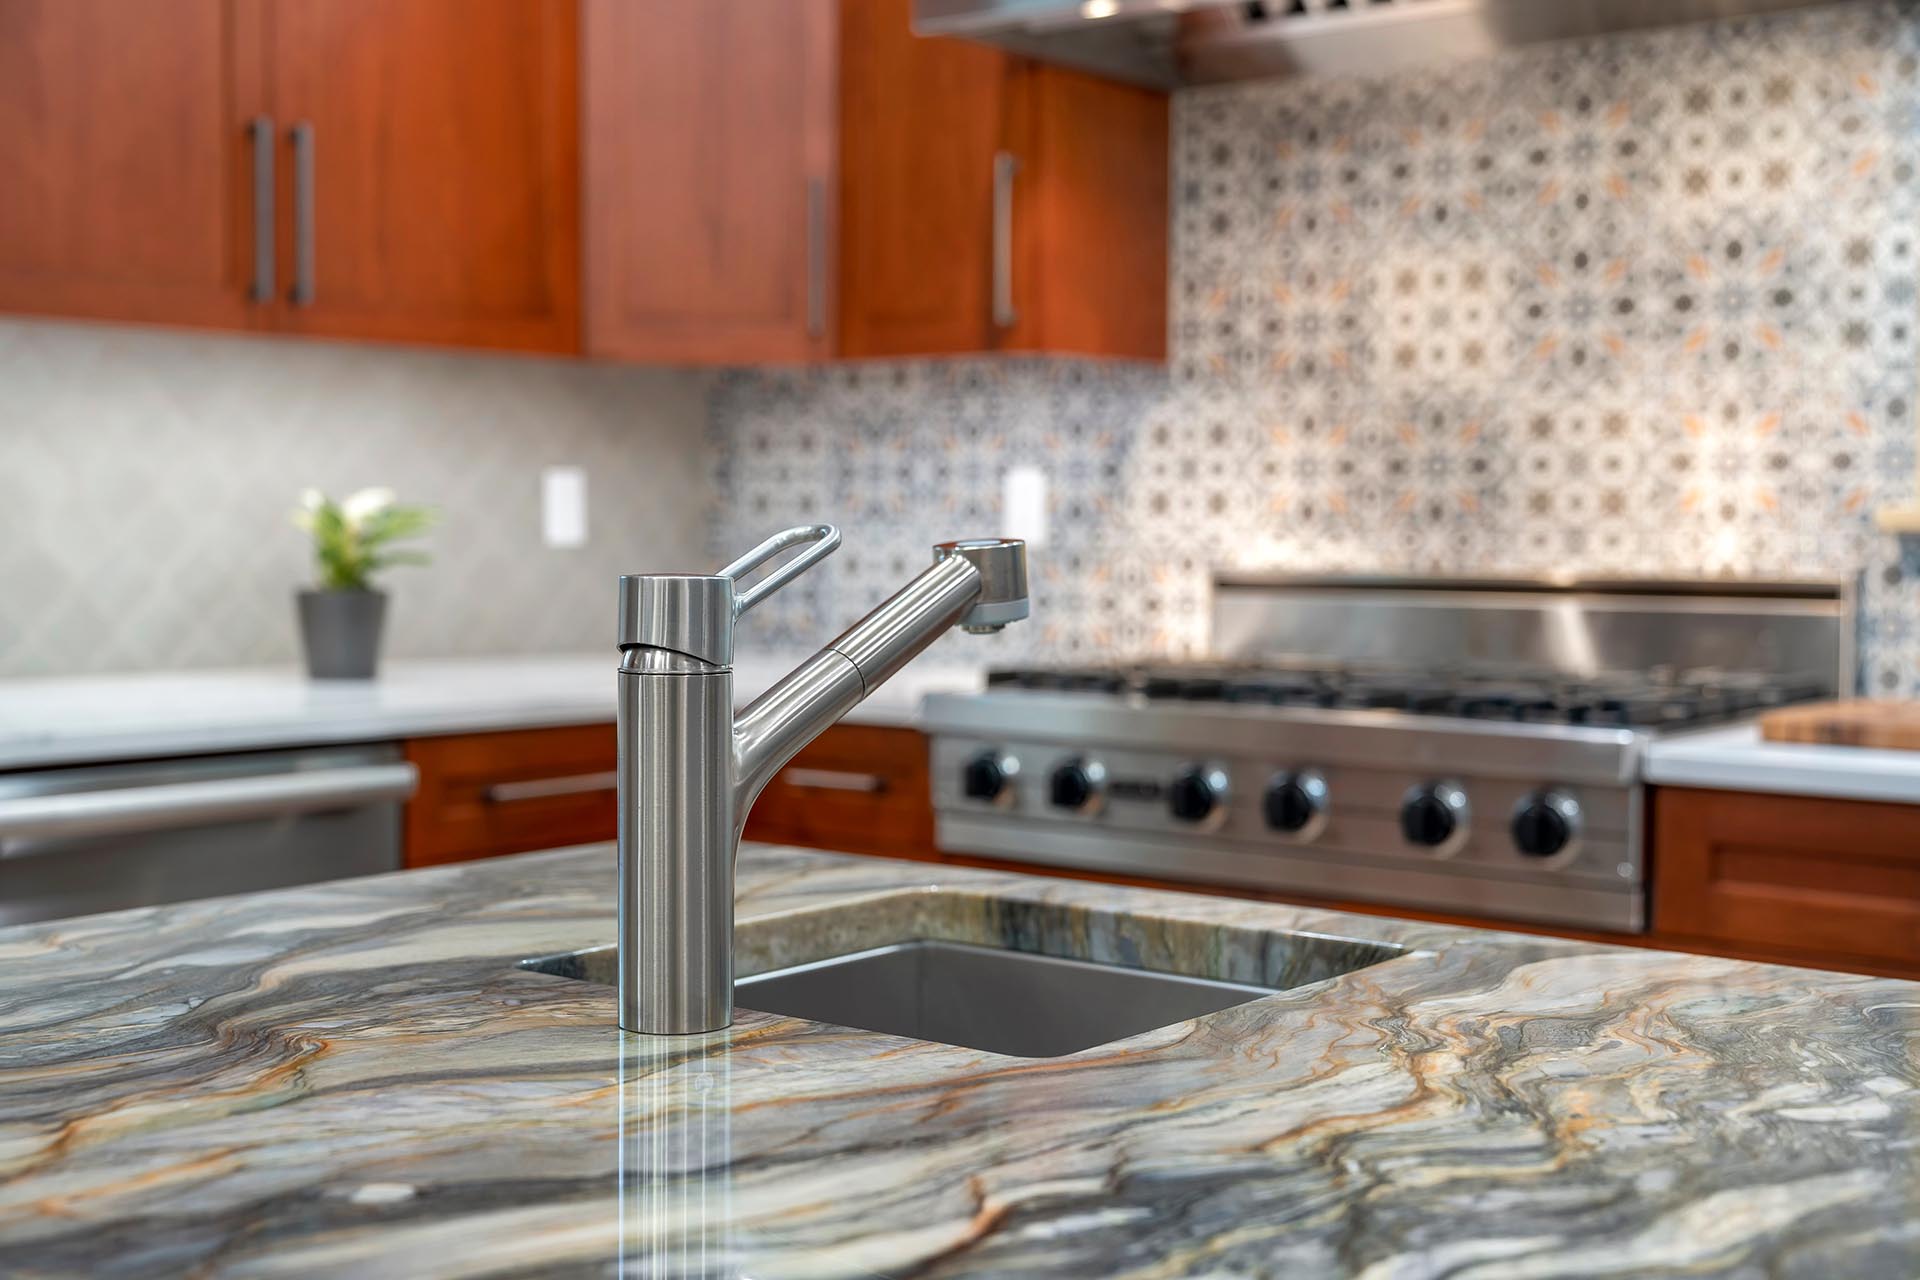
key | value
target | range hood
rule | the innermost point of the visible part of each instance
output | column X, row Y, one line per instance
column 1167, row 44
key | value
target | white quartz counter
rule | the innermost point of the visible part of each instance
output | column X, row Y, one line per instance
column 63, row 720
column 1736, row 759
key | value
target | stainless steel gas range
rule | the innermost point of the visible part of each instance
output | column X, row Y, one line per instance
column 1470, row 746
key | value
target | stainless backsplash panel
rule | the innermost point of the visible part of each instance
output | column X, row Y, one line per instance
column 1796, row 629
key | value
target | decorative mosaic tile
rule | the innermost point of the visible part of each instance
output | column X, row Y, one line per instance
column 1636, row 305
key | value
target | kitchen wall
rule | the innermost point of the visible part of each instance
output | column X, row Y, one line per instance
column 1643, row 305
column 146, row 480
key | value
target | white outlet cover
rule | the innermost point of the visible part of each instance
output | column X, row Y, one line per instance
column 1023, row 505
column 563, row 507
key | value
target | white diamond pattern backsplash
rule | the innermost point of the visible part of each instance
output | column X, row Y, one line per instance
column 1643, row 305
column 146, row 482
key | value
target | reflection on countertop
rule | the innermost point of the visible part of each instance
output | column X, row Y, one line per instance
column 69, row 719
column 355, row 1078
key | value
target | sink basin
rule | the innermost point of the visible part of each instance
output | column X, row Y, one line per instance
column 1004, row 989
column 1010, row 1002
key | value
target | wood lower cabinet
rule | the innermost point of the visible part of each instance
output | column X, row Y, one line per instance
column 486, row 794
column 855, row 788
column 1800, row 879
column 833, row 185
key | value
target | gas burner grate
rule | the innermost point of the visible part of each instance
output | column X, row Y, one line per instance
column 1629, row 700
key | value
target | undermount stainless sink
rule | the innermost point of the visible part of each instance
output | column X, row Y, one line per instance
column 999, row 1000
column 1009, row 1002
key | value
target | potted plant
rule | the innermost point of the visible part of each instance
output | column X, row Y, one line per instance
column 341, row 616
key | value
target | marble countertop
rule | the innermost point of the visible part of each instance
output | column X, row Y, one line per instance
column 1735, row 757
column 70, row 719
column 355, row 1079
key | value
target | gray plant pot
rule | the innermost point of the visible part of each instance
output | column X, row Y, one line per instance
column 341, row 632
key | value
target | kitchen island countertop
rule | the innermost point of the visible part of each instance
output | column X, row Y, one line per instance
column 354, row 1078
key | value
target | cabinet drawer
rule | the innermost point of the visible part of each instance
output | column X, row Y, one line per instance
column 1826, row 882
column 484, row 794
column 857, row 788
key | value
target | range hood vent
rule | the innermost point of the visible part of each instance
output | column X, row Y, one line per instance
column 1168, row 44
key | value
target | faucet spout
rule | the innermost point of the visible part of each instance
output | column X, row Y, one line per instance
column 689, row 771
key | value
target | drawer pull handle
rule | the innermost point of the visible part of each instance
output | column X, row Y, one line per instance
column 834, row 780
column 577, row 784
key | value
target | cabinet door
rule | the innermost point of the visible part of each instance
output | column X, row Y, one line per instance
column 124, row 161
column 1834, row 883
column 486, row 794
column 1089, row 216
column 920, row 123
column 709, row 154
column 857, row 788
column 443, row 190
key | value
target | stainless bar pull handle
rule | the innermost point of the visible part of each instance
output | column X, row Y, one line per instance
column 577, row 784
column 260, row 132
column 816, row 258
column 303, row 281
column 185, row 804
column 1006, row 166
column 834, row 780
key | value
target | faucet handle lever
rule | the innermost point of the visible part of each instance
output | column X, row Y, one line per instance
column 825, row 539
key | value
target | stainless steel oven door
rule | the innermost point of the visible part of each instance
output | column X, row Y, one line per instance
column 105, row 837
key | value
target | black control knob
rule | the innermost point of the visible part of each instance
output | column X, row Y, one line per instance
column 1078, row 784
column 1196, row 793
column 986, row 776
column 1545, row 823
column 1431, row 816
column 1295, row 801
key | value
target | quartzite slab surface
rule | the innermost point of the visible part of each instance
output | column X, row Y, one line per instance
column 355, row 1079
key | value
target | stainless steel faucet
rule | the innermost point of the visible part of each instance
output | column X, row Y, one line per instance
column 690, row 770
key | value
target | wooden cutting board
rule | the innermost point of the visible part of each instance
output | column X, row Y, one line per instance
column 1856, row 722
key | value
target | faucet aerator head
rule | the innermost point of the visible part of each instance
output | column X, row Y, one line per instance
column 1002, row 563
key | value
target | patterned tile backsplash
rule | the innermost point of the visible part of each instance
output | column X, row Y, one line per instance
column 1641, row 305
column 146, row 480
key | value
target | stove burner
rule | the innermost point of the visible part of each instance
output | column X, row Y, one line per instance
column 1626, row 700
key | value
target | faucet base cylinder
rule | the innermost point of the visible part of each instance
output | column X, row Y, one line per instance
column 677, row 851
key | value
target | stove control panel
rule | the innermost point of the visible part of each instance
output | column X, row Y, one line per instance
column 1359, row 824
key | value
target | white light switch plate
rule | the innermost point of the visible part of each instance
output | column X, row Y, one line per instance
column 1023, row 505
column 563, row 507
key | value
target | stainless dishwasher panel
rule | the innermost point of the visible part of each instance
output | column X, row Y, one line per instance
column 101, row 838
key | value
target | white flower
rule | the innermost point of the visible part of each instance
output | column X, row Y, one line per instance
column 311, row 500
column 367, row 502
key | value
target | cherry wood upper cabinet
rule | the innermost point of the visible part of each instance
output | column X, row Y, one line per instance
column 811, row 180
column 709, row 139
column 922, row 121
column 388, row 169
column 124, row 165
column 439, row 199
